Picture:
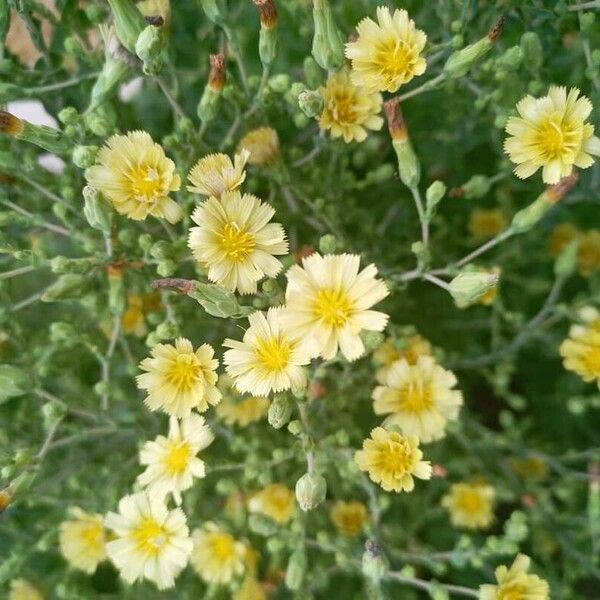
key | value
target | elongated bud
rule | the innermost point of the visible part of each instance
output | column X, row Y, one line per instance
column 47, row 138
column 207, row 107
column 96, row 211
column 5, row 499
column 10, row 124
column 128, row 22
column 433, row 195
column 280, row 411
column 374, row 562
column 311, row 490
column 214, row 10
column 328, row 44
column 116, row 288
column 470, row 285
column 566, row 262
column 409, row 167
column 310, row 103
column 461, row 61
column 296, row 570
column 267, row 43
column 149, row 48
column 70, row 285
column 533, row 52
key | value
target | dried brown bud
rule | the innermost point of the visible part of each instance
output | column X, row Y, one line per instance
column 496, row 31
column 395, row 119
column 216, row 77
column 303, row 252
column 456, row 192
column 438, row 471
column 4, row 500
column 155, row 20
column 183, row 286
column 10, row 124
column 115, row 270
column 6, row 178
column 558, row 191
column 268, row 13
column 316, row 390
column 528, row 500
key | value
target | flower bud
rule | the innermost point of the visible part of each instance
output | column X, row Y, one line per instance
column 296, row 569
column 267, row 43
column 310, row 103
column 149, row 48
column 328, row 243
column 14, row 381
column 374, row 562
column 280, row 411
column 68, row 115
column 128, row 22
column 311, row 490
column 262, row 525
column 96, row 211
column 566, row 262
column 477, row 187
column 295, row 427
column 84, row 156
column 312, row 72
column 511, row 59
column 62, row 264
column 328, row 44
column 207, row 107
column 469, row 286
column 214, row 9
column 47, row 138
column 5, row 499
column 70, row 285
column 409, row 166
column 116, row 289
column 434, row 194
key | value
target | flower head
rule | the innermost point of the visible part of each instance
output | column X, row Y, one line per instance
column 562, row 235
column 262, row 144
column 172, row 462
column 134, row 174
column 485, row 223
column 217, row 557
column 328, row 299
column 151, row 542
column 82, row 540
column 470, row 505
column 551, row 133
column 588, row 253
column 270, row 358
column 419, row 398
column 387, row 53
column 349, row 517
column 179, row 379
column 20, row 589
column 239, row 409
column 236, row 240
column 409, row 348
column 215, row 173
column 276, row 501
column 392, row 460
column 515, row 583
column 349, row 110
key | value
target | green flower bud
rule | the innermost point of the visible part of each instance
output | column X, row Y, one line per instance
column 97, row 124
column 167, row 330
column 53, row 411
column 128, row 22
column 328, row 44
column 532, row 51
column 96, row 211
column 14, row 381
column 166, row 268
column 371, row 339
column 457, row 41
column 161, row 250
column 529, row 216
column 63, row 333
column 311, row 490
column 587, row 21
column 262, row 525
column 70, row 285
column 95, row 13
column 470, row 285
column 152, row 339
column 21, row 484
column 145, row 242
column 280, row 411
column 280, row 83
column 207, row 107
column 47, row 138
column 296, row 569
column 214, row 10
column 310, row 103
column 374, row 563
column 68, row 115
column 477, row 187
column 312, row 72
column 149, row 48
column 84, row 156
column 409, row 166
column 566, row 262
column 434, row 194
column 328, row 244
column 62, row 264
column 511, row 59
column 300, row 120
column 295, row 427
column 116, row 289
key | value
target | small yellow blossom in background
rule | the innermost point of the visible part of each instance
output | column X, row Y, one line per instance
column 328, row 299
column 349, row 517
column 179, row 379
column 588, row 253
column 276, row 501
column 262, row 144
column 215, row 173
column 349, row 110
column 409, row 348
column 82, row 540
column 551, row 133
column 485, row 223
column 217, row 556
column 136, row 177
column 470, row 505
column 269, row 358
column 581, row 350
column 152, row 542
column 392, row 460
column 20, row 589
column 489, row 297
column 237, row 409
column 387, row 53
column 532, row 467
column 515, row 583
column 172, row 462
column 133, row 317
column 236, row 241
column 561, row 236
column 251, row 589
column 419, row 398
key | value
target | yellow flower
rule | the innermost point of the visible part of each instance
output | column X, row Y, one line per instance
column 551, row 133
column 262, row 144
column 486, row 223
column 349, row 517
column 561, row 236
column 136, row 177
column 217, row 557
column 178, row 379
column 392, row 460
column 515, row 583
column 269, row 358
column 387, row 53
column 532, row 467
column 470, row 505
column 151, row 542
column 419, row 397
column 236, row 240
column 82, row 540
column 581, row 350
column 23, row 590
column 349, row 110
column 391, row 350
column 276, row 501
column 588, row 253
column 489, row 297
column 237, row 409
column 133, row 317
column 172, row 462
column 329, row 300
column 251, row 589
column 215, row 173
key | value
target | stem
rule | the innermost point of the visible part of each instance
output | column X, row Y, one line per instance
column 421, row 584
column 48, row 441
column 116, row 330
column 24, row 303
column 428, row 85
column 484, row 248
column 435, row 280
column 170, row 99
column 15, row 272
column 49, row 226
column 60, row 85
column 422, row 216
column 585, row 5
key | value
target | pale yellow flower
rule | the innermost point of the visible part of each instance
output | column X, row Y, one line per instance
column 135, row 175
column 419, row 398
column 470, row 505
column 151, row 542
column 276, row 501
column 349, row 517
column 270, row 358
column 238, row 409
column 581, row 350
column 387, row 53
column 349, row 110
column 262, row 144
column 132, row 320
column 551, row 133
column 215, row 173
column 486, row 223
column 532, row 467
column 328, row 299
column 82, row 540
column 409, row 348
column 236, row 241
column 489, row 297
column 251, row 589
column 561, row 236
column 588, row 253
column 515, row 583
column 179, row 379
column 217, row 556
column 20, row 589
column 172, row 462
column 392, row 460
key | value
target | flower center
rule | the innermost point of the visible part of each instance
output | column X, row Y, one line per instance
column 273, row 353
column 470, row 502
column 592, row 360
column 144, row 183
column 394, row 58
column 222, row 547
column 415, row 398
column 556, row 140
column 236, row 243
column 333, row 306
column 177, row 458
column 92, row 535
column 512, row 591
column 184, row 372
column 342, row 107
column 396, row 457
column 149, row 536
